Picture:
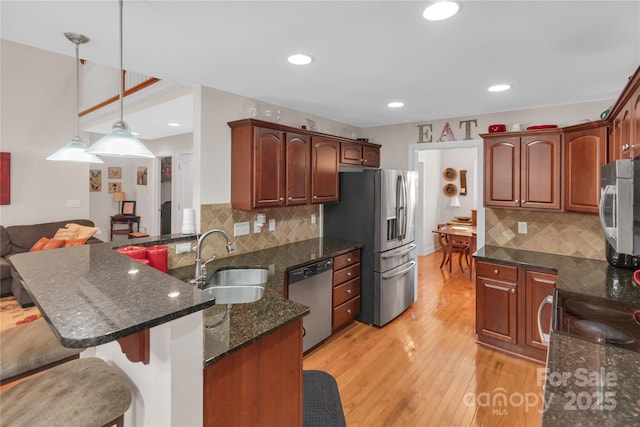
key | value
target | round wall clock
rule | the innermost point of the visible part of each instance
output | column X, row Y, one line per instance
column 449, row 174
column 450, row 190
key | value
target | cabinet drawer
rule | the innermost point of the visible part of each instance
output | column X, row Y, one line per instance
column 345, row 274
column 497, row 271
column 347, row 259
column 346, row 291
column 346, row 312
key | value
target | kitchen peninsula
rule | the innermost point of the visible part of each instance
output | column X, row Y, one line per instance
column 92, row 296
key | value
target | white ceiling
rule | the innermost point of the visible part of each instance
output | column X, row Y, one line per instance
column 366, row 53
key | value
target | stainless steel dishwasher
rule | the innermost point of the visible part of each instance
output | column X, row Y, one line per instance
column 311, row 285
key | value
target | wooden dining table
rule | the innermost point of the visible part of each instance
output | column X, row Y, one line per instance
column 458, row 233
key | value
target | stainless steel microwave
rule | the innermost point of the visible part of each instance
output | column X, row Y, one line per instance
column 620, row 205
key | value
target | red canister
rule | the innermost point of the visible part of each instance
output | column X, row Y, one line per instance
column 158, row 257
column 135, row 252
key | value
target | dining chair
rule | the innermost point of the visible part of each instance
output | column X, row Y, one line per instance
column 457, row 246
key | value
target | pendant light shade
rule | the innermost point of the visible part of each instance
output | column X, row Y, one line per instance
column 75, row 150
column 120, row 142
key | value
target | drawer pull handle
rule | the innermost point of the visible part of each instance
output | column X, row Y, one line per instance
column 495, row 271
column 348, row 259
column 349, row 310
column 513, row 291
column 348, row 274
column 348, row 291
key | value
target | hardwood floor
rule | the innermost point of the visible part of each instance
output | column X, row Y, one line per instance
column 425, row 368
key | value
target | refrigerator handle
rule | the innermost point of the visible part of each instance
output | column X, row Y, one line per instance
column 404, row 204
column 399, row 208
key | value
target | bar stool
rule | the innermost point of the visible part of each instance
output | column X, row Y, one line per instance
column 86, row 391
column 31, row 348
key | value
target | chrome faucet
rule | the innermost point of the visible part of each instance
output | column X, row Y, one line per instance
column 201, row 269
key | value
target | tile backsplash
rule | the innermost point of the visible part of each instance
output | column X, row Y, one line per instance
column 293, row 224
column 571, row 234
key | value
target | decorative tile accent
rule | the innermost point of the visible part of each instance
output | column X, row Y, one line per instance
column 571, row 234
column 293, row 224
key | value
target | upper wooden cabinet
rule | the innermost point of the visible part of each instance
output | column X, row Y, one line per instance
column 359, row 153
column 624, row 136
column 522, row 170
column 277, row 165
column 325, row 155
column 585, row 152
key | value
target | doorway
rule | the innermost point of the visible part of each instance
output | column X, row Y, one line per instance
column 166, row 171
column 430, row 160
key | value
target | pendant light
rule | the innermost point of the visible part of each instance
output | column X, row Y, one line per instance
column 120, row 142
column 75, row 151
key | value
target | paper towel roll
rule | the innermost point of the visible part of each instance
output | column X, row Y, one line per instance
column 188, row 226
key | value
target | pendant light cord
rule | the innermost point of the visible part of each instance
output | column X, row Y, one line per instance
column 121, row 68
column 77, row 89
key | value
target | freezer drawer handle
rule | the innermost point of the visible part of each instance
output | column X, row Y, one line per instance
column 396, row 254
column 413, row 263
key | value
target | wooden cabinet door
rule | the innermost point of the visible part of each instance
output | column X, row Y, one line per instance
column 268, row 168
column 371, row 156
column 540, row 171
column 634, row 149
column 502, row 172
column 585, row 152
column 496, row 305
column 625, row 131
column 537, row 286
column 350, row 153
column 298, row 160
column 325, row 155
column 258, row 385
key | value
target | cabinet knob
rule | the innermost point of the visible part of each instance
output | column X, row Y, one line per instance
column 290, row 198
column 363, row 161
column 348, row 259
column 349, row 310
column 513, row 291
column 524, row 201
column 281, row 199
column 516, row 201
column 348, row 291
column 348, row 274
column 315, row 197
column 495, row 271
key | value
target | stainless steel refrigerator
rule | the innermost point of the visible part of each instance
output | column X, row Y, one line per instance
column 376, row 208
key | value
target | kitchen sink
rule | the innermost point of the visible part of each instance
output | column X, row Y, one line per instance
column 237, row 285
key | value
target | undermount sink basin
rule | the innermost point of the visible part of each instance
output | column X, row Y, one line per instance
column 237, row 285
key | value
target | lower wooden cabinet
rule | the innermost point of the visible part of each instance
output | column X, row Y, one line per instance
column 260, row 384
column 346, row 289
column 507, row 301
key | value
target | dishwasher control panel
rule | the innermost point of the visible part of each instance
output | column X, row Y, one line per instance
column 310, row 270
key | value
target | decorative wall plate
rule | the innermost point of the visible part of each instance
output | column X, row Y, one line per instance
column 450, row 190
column 450, row 174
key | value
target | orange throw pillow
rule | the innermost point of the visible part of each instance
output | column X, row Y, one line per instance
column 53, row 244
column 39, row 245
column 74, row 242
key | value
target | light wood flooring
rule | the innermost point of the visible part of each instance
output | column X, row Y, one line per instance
column 425, row 368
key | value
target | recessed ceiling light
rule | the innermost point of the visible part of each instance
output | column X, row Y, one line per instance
column 300, row 59
column 439, row 10
column 173, row 124
column 499, row 88
column 135, row 133
column 395, row 104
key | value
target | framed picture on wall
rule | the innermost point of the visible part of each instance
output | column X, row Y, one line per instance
column 128, row 207
column 115, row 172
column 95, row 180
column 115, row 187
column 141, row 176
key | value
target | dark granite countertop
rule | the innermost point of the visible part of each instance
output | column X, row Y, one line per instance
column 90, row 296
column 231, row 327
column 587, row 384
